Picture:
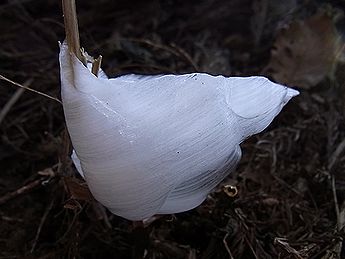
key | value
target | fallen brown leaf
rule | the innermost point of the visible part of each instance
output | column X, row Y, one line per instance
column 305, row 52
column 78, row 189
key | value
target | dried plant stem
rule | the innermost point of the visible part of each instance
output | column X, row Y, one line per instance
column 43, row 220
column 20, row 191
column 4, row 111
column 96, row 65
column 227, row 246
column 72, row 35
column 28, row 88
column 71, row 28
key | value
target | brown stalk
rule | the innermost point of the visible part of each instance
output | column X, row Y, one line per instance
column 71, row 28
column 96, row 65
column 72, row 35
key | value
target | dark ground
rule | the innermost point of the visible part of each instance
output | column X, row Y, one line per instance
column 291, row 179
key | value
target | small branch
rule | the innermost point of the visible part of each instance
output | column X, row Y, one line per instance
column 48, row 173
column 21, row 190
column 72, row 35
column 29, row 89
column 335, row 199
column 71, row 28
column 339, row 214
column 43, row 220
column 335, row 156
column 227, row 246
column 96, row 65
column 4, row 111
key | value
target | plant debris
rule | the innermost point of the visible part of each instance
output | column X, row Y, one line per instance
column 306, row 52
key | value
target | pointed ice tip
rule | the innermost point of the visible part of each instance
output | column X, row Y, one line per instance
column 255, row 96
column 290, row 94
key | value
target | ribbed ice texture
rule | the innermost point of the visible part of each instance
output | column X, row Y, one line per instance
column 159, row 144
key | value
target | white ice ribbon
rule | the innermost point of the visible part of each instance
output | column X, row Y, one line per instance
column 159, row 144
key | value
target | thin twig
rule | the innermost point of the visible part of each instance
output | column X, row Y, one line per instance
column 101, row 213
column 283, row 242
column 10, row 219
column 335, row 199
column 336, row 154
column 13, row 100
column 285, row 184
column 26, row 188
column 251, row 247
column 29, row 89
column 173, row 49
column 340, row 221
column 227, row 246
column 96, row 65
column 39, row 229
column 186, row 56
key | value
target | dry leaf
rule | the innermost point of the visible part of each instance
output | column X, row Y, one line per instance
column 305, row 52
column 78, row 189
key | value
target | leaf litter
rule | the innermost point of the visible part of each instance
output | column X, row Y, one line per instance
column 306, row 52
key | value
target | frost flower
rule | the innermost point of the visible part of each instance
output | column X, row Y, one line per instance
column 159, row 144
